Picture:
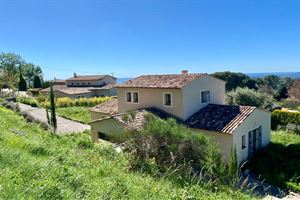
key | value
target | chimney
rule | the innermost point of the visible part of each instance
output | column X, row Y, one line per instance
column 184, row 72
column 75, row 75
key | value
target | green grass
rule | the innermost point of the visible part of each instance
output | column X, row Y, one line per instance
column 81, row 114
column 40, row 165
column 279, row 163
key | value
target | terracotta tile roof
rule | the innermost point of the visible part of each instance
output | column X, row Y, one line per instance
column 76, row 90
column 55, row 87
column 87, row 77
column 109, row 107
column 219, row 118
column 160, row 81
column 106, row 87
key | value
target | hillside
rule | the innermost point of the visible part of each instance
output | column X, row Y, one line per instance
column 35, row 164
column 294, row 92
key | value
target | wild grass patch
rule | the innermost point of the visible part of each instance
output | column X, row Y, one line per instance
column 40, row 165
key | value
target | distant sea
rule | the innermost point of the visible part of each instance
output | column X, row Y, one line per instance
column 294, row 75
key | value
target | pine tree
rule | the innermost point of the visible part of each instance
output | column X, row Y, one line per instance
column 48, row 117
column 52, row 109
column 37, row 83
column 22, row 83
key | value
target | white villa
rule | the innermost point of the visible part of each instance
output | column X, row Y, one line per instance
column 196, row 100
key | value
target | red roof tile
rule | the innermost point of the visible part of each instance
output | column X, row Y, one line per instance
column 161, row 81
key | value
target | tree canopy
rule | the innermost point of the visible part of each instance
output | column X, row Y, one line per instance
column 37, row 83
column 10, row 64
column 249, row 97
column 234, row 80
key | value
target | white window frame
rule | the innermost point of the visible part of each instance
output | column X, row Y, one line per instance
column 138, row 94
column 201, row 96
column 168, row 106
column 131, row 96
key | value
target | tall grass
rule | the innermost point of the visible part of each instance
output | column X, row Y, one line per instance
column 279, row 163
column 35, row 164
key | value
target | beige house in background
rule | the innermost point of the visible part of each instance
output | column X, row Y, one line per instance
column 195, row 100
column 84, row 86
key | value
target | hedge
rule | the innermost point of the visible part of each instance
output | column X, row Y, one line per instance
column 284, row 117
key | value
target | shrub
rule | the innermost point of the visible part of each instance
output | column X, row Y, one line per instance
column 249, row 97
column 279, row 117
column 85, row 143
column 28, row 100
column 67, row 102
column 166, row 146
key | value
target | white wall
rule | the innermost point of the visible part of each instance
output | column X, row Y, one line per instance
column 192, row 94
column 149, row 97
column 257, row 118
column 223, row 140
column 107, row 80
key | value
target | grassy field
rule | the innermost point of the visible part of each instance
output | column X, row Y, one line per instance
column 81, row 114
column 279, row 163
column 34, row 164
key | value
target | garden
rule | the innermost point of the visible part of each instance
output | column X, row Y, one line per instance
column 75, row 109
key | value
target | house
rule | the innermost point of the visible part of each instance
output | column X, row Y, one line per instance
column 195, row 100
column 83, row 86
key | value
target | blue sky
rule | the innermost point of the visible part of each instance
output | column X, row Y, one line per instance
column 129, row 38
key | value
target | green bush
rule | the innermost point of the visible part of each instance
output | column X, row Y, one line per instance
column 64, row 102
column 28, row 100
column 249, row 97
column 284, row 117
column 165, row 146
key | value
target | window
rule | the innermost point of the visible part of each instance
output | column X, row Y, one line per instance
column 89, row 83
column 243, row 141
column 132, row 97
column 205, row 96
column 82, row 83
column 128, row 96
column 77, row 83
column 135, row 97
column 72, row 83
column 167, row 99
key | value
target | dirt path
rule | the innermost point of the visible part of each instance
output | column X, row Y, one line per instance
column 63, row 125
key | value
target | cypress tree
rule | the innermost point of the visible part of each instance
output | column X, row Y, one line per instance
column 52, row 109
column 22, row 83
column 37, row 83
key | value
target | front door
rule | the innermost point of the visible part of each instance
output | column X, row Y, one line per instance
column 254, row 141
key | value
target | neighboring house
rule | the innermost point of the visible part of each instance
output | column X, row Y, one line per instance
column 84, row 86
column 56, row 81
column 195, row 100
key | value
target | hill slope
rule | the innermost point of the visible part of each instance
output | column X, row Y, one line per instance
column 34, row 164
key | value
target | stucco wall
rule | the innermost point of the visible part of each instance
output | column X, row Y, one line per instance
column 192, row 94
column 224, row 142
column 107, row 80
column 257, row 118
column 151, row 98
column 98, row 115
column 115, row 130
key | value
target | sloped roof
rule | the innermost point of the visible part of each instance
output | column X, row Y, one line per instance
column 216, row 118
column 77, row 90
column 219, row 118
column 87, row 77
column 109, row 107
column 161, row 81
